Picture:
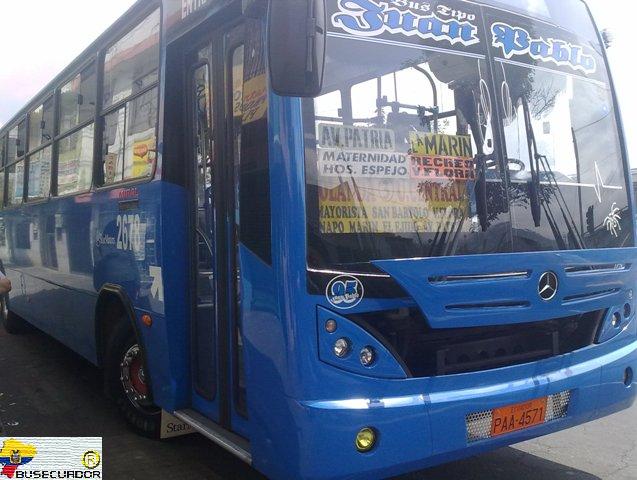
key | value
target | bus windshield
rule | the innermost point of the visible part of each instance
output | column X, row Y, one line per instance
column 434, row 138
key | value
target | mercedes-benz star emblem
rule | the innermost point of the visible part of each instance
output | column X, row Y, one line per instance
column 548, row 286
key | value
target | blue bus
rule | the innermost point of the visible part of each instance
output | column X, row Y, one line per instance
column 340, row 238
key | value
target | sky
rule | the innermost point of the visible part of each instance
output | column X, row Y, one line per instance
column 38, row 38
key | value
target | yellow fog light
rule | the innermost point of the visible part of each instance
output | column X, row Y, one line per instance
column 365, row 439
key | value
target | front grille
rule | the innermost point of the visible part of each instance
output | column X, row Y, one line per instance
column 479, row 425
column 428, row 352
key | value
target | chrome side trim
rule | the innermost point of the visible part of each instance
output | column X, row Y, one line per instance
column 596, row 268
column 368, row 403
column 339, row 272
column 478, row 277
column 225, row 439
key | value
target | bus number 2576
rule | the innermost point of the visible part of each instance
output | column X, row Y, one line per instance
column 129, row 233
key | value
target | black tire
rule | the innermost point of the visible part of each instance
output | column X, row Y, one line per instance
column 11, row 322
column 142, row 416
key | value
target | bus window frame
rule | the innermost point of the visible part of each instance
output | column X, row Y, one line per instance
column 235, row 326
column 98, row 184
column 96, row 119
column 71, row 131
column 54, row 171
column 24, row 118
column 3, row 149
column 50, row 96
column 27, row 166
column 3, row 156
column 31, row 152
column 59, row 133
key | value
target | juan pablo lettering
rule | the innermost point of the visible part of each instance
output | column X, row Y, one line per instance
column 371, row 19
column 517, row 41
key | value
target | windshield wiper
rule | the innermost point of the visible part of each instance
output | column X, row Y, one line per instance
column 361, row 203
column 534, row 187
column 540, row 162
column 480, row 190
column 561, row 201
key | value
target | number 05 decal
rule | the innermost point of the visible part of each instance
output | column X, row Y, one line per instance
column 345, row 292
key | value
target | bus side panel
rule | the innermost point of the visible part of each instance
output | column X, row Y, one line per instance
column 279, row 352
column 46, row 250
column 142, row 246
column 60, row 253
column 168, row 340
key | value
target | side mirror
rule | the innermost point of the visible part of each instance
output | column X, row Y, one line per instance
column 296, row 41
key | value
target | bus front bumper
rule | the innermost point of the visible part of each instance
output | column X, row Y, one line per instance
column 425, row 429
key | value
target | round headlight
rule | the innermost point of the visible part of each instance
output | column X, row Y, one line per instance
column 367, row 356
column 341, row 347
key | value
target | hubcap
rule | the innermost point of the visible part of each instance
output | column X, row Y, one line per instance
column 133, row 378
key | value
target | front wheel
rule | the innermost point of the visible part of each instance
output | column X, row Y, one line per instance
column 126, row 381
column 11, row 322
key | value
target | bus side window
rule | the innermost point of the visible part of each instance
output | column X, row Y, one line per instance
column 39, row 176
column 14, row 163
column 41, row 125
column 77, row 101
column 15, row 183
column 131, row 65
column 129, row 142
column 2, row 188
column 129, row 139
column 17, row 142
column 3, row 152
column 75, row 161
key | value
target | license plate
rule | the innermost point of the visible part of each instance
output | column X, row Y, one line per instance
column 518, row 417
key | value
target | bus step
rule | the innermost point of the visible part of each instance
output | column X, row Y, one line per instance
column 222, row 437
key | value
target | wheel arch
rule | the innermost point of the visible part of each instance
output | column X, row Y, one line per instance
column 112, row 304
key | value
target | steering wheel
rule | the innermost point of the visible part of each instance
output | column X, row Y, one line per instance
column 517, row 162
column 491, row 163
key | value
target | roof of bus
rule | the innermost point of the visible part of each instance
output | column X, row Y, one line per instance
column 76, row 65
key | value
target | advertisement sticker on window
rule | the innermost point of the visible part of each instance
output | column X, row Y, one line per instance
column 359, row 152
column 441, row 156
column 367, row 186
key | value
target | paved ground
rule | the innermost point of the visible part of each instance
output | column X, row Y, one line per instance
column 46, row 390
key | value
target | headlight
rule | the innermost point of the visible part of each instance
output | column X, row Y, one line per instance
column 342, row 347
column 367, row 356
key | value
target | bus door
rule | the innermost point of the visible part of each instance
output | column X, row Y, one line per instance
column 215, row 82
